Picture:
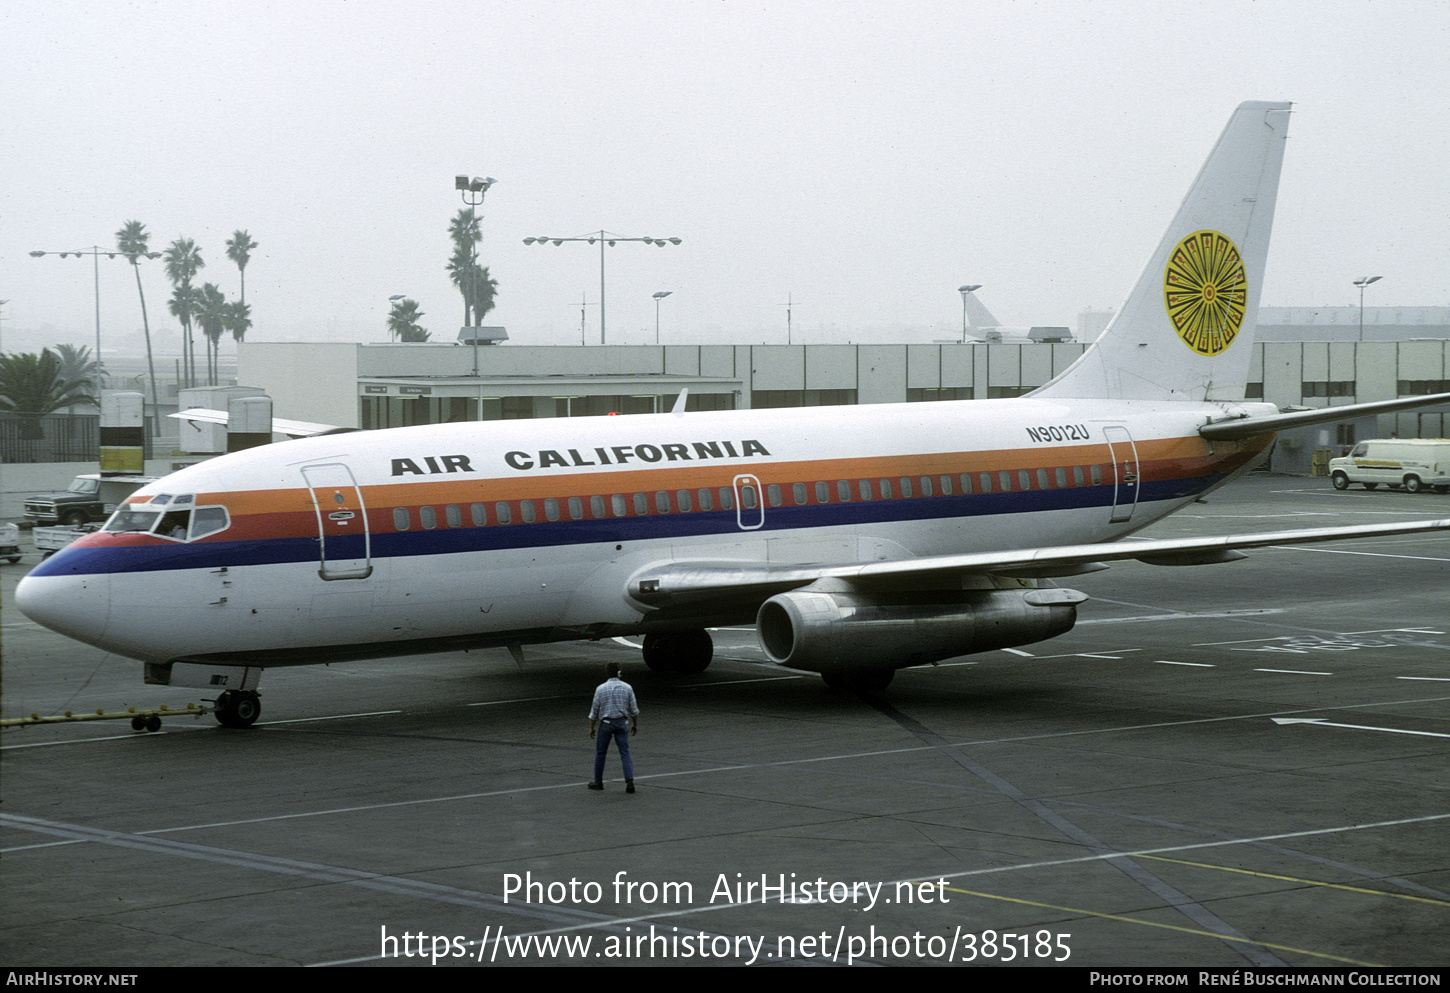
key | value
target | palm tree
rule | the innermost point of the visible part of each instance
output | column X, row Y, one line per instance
column 473, row 282
column 476, row 285
column 238, row 319
column 239, row 250
column 211, row 316
column 32, row 386
column 183, row 261
column 133, row 240
column 183, row 306
column 403, row 321
column 78, row 369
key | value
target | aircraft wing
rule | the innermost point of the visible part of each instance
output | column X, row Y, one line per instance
column 293, row 429
column 690, row 584
column 1247, row 427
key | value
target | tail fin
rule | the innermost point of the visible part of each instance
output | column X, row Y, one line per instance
column 978, row 316
column 1186, row 332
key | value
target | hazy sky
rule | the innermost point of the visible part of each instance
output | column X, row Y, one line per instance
column 863, row 158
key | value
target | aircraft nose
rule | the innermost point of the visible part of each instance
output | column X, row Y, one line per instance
column 75, row 606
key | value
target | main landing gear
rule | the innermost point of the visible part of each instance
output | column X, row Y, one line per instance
column 679, row 651
column 238, row 708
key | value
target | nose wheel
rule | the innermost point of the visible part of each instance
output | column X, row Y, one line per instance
column 238, row 708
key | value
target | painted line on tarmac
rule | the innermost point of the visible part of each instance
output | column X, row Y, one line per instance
column 750, row 766
column 1303, row 881
column 1343, row 551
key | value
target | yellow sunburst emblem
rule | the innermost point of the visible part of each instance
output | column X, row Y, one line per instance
column 1206, row 291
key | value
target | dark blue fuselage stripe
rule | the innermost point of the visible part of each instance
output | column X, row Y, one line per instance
column 548, row 534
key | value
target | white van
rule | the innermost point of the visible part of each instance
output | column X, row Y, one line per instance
column 1413, row 463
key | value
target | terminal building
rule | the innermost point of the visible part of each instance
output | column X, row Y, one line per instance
column 1303, row 357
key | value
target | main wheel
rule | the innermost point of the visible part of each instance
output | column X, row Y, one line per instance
column 238, row 709
column 679, row 651
column 1413, row 484
column 1340, row 481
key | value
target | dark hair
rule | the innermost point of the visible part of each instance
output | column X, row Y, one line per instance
column 612, row 669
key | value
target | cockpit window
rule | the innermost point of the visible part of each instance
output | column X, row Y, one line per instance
column 178, row 524
column 175, row 525
column 208, row 520
column 125, row 520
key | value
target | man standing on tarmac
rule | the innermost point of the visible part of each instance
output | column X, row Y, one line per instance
column 615, row 715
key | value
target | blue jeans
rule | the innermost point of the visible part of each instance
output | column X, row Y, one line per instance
column 617, row 730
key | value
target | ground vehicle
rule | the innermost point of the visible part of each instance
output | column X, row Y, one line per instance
column 50, row 540
column 1413, row 463
column 10, row 543
column 90, row 497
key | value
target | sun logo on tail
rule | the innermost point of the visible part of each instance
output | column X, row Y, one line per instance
column 1206, row 291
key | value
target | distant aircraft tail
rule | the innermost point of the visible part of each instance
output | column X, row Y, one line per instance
column 1186, row 332
column 978, row 316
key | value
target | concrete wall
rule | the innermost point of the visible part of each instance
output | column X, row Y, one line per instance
column 313, row 381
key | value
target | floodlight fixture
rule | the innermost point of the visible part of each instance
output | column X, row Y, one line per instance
column 604, row 238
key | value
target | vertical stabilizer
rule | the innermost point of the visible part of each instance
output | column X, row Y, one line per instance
column 978, row 316
column 1186, row 332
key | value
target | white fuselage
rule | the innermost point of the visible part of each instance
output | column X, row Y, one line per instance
column 390, row 542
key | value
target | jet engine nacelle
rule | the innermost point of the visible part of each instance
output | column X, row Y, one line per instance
column 840, row 632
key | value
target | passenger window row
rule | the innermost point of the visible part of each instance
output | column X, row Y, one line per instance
column 571, row 508
column 687, row 501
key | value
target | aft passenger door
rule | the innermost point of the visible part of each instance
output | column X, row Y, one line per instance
column 1125, row 472
column 344, row 544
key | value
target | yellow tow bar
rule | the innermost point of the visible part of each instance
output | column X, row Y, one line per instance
column 141, row 720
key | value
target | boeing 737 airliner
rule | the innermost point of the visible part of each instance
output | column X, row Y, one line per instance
column 858, row 539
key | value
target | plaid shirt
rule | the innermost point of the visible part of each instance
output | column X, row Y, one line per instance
column 613, row 699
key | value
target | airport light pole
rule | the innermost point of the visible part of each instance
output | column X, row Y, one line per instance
column 603, row 238
column 658, row 297
column 1362, row 282
column 788, row 306
column 95, row 252
column 964, row 290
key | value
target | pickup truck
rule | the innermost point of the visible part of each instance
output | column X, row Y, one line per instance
column 90, row 497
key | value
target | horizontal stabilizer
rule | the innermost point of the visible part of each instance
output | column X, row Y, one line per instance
column 280, row 425
column 1247, row 427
